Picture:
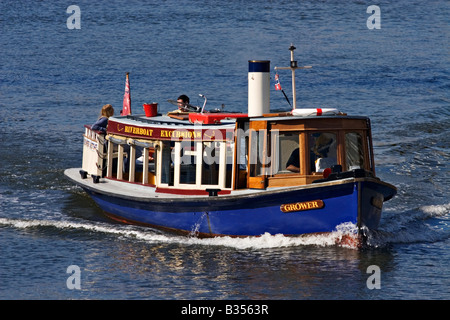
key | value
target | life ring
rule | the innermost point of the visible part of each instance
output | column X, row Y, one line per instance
column 315, row 112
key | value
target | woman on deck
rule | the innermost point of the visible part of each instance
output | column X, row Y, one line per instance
column 102, row 122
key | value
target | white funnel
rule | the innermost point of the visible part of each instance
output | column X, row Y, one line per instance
column 258, row 87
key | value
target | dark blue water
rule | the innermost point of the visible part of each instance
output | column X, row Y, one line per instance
column 53, row 80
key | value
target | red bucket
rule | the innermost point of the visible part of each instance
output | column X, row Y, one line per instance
column 150, row 109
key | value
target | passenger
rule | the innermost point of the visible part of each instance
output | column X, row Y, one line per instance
column 323, row 146
column 183, row 102
column 102, row 122
column 324, row 152
column 184, row 105
column 293, row 164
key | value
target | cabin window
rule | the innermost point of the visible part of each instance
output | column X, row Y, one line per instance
column 167, row 170
column 354, row 151
column 188, row 162
column 259, row 157
column 210, row 166
column 196, row 164
column 217, row 163
column 242, row 140
column 229, row 156
column 286, row 147
column 118, row 150
column 256, row 147
column 322, row 150
column 145, row 162
column 132, row 160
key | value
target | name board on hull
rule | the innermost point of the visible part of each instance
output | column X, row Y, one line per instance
column 302, row 206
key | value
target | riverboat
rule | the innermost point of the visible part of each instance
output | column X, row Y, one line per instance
column 216, row 173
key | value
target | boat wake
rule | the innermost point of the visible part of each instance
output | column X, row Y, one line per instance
column 339, row 237
column 425, row 224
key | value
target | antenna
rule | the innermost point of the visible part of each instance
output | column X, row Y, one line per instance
column 294, row 66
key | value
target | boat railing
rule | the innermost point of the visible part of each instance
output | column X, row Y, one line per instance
column 180, row 164
column 94, row 153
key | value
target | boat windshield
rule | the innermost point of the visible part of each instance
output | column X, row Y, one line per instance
column 354, row 147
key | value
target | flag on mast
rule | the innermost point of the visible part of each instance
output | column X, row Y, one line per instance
column 277, row 82
column 126, row 110
column 278, row 87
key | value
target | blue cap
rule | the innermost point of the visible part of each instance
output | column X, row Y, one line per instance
column 258, row 66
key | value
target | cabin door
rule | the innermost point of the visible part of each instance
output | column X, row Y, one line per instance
column 259, row 158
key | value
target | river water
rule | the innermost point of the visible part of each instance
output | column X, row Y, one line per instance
column 53, row 80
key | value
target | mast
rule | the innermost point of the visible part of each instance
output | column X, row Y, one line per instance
column 294, row 66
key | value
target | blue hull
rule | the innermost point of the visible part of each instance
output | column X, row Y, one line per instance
column 358, row 202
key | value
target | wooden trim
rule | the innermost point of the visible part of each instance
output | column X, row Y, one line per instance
column 257, row 181
column 340, row 152
column 304, row 154
column 319, row 124
column 286, row 180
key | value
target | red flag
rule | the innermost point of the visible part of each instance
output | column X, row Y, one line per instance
column 277, row 82
column 126, row 110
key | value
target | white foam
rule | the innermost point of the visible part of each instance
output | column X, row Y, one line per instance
column 91, row 226
column 148, row 235
column 436, row 210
